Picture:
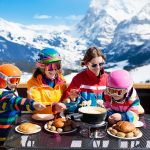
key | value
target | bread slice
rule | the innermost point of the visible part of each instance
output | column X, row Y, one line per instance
column 124, row 126
column 28, row 127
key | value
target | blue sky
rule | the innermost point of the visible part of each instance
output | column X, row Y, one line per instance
column 43, row 11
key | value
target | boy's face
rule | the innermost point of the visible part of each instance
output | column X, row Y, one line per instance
column 12, row 82
column 12, row 86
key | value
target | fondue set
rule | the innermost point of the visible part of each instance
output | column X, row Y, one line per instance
column 93, row 118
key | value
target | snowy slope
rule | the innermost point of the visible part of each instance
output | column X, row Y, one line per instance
column 138, row 74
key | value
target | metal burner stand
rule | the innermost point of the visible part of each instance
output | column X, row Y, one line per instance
column 94, row 130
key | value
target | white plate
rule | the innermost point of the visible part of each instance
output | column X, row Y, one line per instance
column 139, row 124
column 140, row 135
column 38, row 130
column 42, row 117
column 45, row 127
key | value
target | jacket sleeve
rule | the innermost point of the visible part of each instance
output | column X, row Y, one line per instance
column 34, row 93
column 72, row 106
column 73, row 85
column 132, row 113
column 16, row 103
column 107, row 101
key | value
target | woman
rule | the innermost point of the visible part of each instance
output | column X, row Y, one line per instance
column 47, row 84
column 87, row 86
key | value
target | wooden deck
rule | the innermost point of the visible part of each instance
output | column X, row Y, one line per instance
column 143, row 90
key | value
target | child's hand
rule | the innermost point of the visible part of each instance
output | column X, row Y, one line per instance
column 74, row 93
column 58, row 107
column 38, row 106
column 114, row 118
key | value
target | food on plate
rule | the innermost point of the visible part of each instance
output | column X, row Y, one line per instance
column 28, row 127
column 124, row 129
column 59, row 130
column 60, row 119
column 52, row 128
column 61, row 125
column 136, row 132
column 43, row 116
column 124, row 126
column 130, row 135
column 114, row 131
column 67, row 128
column 58, row 124
column 121, row 134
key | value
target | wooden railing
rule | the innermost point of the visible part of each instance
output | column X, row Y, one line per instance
column 143, row 90
column 136, row 85
column 142, row 85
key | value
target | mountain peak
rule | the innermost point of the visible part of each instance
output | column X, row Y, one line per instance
column 144, row 12
column 118, row 9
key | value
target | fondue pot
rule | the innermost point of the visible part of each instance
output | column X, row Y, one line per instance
column 91, row 114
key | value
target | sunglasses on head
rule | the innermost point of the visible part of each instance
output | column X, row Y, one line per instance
column 54, row 66
column 13, row 80
column 95, row 65
column 115, row 92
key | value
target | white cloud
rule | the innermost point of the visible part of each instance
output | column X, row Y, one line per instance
column 70, row 17
column 42, row 17
column 74, row 17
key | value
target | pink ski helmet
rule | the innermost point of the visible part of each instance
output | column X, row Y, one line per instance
column 120, row 79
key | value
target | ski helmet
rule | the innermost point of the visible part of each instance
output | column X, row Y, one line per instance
column 120, row 79
column 48, row 55
column 9, row 74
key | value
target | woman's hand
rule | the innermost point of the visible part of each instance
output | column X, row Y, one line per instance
column 58, row 107
column 114, row 118
column 74, row 93
column 86, row 103
column 39, row 106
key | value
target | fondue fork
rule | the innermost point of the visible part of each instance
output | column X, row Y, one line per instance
column 83, row 100
column 100, row 103
column 82, row 97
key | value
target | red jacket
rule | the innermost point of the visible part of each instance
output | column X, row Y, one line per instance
column 90, row 85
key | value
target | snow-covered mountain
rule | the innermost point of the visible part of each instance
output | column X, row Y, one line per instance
column 120, row 28
column 131, row 40
column 103, row 16
column 20, row 42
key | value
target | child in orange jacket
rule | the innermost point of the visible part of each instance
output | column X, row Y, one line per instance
column 47, row 84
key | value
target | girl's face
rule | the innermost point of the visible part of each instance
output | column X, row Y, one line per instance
column 116, row 93
column 118, row 97
column 50, row 74
column 52, row 69
column 95, row 65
